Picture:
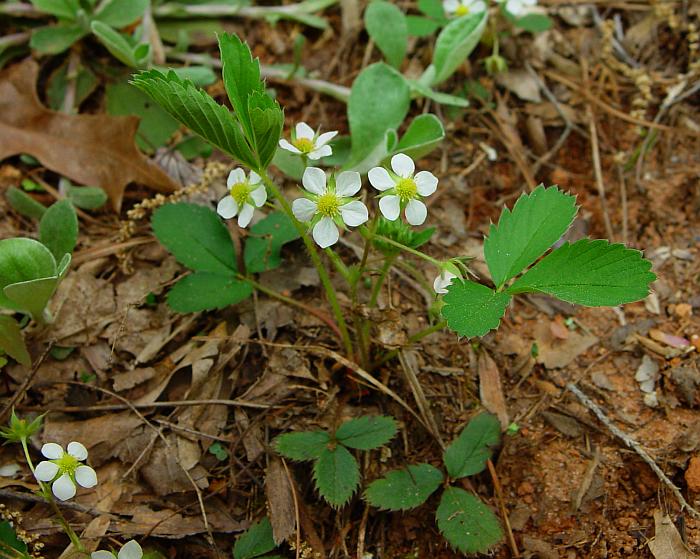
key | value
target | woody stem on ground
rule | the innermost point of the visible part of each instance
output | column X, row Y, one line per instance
column 418, row 336
column 316, row 259
column 48, row 497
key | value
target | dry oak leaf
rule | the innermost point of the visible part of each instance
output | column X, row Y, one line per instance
column 667, row 542
column 96, row 150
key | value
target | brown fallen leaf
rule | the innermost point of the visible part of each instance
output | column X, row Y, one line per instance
column 667, row 542
column 490, row 388
column 96, row 150
column 280, row 498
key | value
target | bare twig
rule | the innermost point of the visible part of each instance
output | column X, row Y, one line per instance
column 598, row 170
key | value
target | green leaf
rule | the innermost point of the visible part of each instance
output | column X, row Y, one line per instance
column 404, row 489
column 419, row 26
column 337, row 475
column 466, row 522
column 456, row 42
column 194, row 146
column 386, row 25
column 54, row 39
column 63, row 9
column 58, row 229
column 472, row 309
column 378, row 104
column 24, row 204
column 438, row 96
column 268, row 120
column 116, row 43
column 522, row 235
column 197, row 110
column 196, row 237
column 156, row 126
column 289, row 163
column 205, row 291
column 87, row 197
column 424, row 134
column 9, row 540
column 255, row 541
column 12, row 342
column 265, row 242
column 588, row 272
column 85, row 83
column 534, row 23
column 432, row 8
column 31, row 296
column 468, row 454
column 367, row 432
column 307, row 445
column 201, row 76
column 25, row 260
column 120, row 13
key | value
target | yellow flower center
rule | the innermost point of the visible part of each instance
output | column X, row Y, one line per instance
column 240, row 192
column 328, row 204
column 406, row 189
column 462, row 10
column 67, row 464
column 304, row 145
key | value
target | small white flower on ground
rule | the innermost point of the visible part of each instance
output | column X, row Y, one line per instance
column 130, row 550
column 443, row 281
column 65, row 470
column 463, row 7
column 328, row 205
column 402, row 190
column 520, row 7
column 308, row 143
column 245, row 194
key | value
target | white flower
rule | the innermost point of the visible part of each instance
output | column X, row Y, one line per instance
column 130, row 550
column 307, row 142
column 402, row 190
column 329, row 206
column 64, row 469
column 443, row 281
column 519, row 7
column 463, row 7
column 244, row 196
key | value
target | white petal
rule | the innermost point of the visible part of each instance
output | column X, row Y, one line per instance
column 63, row 488
column 324, row 138
column 304, row 209
column 515, row 7
column 253, row 178
column 325, row 233
column 227, row 207
column 443, row 281
column 303, row 130
column 45, row 471
column 450, row 6
column 380, row 178
column 323, row 151
column 314, row 180
column 416, row 212
column 403, row 165
column 354, row 214
column 130, row 550
column 52, row 451
column 246, row 215
column 235, row 176
column 259, row 195
column 478, row 7
column 102, row 554
column 426, row 183
column 77, row 450
column 347, row 184
column 390, row 207
column 284, row 144
column 85, row 476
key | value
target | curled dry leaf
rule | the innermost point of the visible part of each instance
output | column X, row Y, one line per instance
column 667, row 542
column 96, row 150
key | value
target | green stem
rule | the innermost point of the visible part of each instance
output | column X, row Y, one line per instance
column 410, row 250
column 418, row 336
column 316, row 259
column 48, row 497
column 376, row 289
column 339, row 264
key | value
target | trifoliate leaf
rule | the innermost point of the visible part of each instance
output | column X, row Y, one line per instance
column 588, row 272
column 196, row 237
column 255, row 541
column 367, row 432
column 466, row 522
column 472, row 309
column 524, row 233
column 58, row 229
column 386, row 25
column 198, row 111
column 468, row 454
column 205, row 291
column 307, row 445
column 404, row 489
column 337, row 475
column 12, row 342
column 265, row 242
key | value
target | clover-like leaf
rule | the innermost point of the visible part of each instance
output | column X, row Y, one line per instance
column 468, row 454
column 404, row 489
column 367, row 432
column 588, row 272
column 337, row 475
column 472, row 309
column 466, row 522
column 524, row 233
column 306, row 445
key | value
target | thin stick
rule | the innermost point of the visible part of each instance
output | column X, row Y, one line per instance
column 502, row 506
column 598, row 170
